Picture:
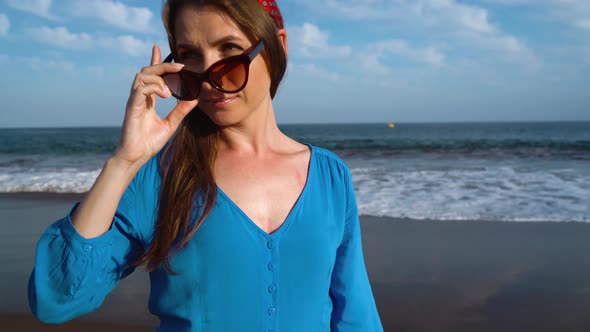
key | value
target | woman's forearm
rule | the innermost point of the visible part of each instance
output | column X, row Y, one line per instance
column 94, row 215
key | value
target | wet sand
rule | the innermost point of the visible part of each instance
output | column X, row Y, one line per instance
column 25, row 322
column 426, row 275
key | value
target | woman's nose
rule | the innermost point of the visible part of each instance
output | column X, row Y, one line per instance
column 206, row 86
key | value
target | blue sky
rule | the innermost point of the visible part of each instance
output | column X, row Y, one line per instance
column 71, row 62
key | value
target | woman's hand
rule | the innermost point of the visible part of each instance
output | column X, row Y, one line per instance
column 144, row 133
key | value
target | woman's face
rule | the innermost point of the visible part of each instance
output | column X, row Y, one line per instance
column 205, row 35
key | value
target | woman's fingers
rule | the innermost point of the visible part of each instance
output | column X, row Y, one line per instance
column 142, row 133
column 149, row 80
column 144, row 79
column 143, row 96
column 149, row 89
column 153, row 75
column 156, row 55
column 162, row 68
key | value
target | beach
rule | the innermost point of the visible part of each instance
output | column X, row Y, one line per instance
column 426, row 275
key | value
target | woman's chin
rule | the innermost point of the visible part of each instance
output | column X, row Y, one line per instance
column 223, row 117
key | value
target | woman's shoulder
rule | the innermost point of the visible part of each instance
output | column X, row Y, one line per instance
column 327, row 156
column 329, row 162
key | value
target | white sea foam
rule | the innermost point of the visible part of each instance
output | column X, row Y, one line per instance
column 504, row 193
column 418, row 188
column 67, row 180
column 59, row 174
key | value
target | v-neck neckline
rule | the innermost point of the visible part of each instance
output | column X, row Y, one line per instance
column 289, row 218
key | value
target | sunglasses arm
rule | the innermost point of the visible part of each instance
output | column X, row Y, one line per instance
column 169, row 58
column 256, row 50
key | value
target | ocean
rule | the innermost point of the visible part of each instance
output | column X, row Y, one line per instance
column 451, row 171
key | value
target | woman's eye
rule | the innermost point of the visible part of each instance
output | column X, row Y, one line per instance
column 186, row 55
column 231, row 48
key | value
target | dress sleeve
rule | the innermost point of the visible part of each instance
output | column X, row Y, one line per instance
column 354, row 307
column 72, row 275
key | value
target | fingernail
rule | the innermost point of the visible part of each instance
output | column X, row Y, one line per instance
column 167, row 92
column 179, row 65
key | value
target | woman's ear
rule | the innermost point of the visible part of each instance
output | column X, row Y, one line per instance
column 282, row 35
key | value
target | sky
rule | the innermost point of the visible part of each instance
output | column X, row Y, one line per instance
column 71, row 62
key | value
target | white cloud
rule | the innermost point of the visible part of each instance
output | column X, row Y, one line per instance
column 36, row 7
column 583, row 24
column 375, row 61
column 117, row 14
column 430, row 13
column 61, row 37
column 513, row 2
column 4, row 24
column 370, row 64
column 399, row 47
column 312, row 42
column 312, row 70
column 97, row 71
column 449, row 21
column 127, row 45
column 38, row 63
column 507, row 49
column 133, row 46
column 572, row 12
column 61, row 65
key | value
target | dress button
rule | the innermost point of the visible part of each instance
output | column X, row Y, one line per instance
column 87, row 247
column 72, row 290
column 271, row 311
column 272, row 288
column 270, row 244
column 271, row 267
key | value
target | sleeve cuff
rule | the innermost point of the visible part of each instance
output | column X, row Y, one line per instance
column 77, row 242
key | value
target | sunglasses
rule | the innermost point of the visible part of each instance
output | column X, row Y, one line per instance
column 228, row 75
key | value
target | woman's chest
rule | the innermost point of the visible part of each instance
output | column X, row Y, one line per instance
column 229, row 249
column 265, row 194
column 229, row 266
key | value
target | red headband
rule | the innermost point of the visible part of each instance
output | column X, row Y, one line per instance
column 272, row 8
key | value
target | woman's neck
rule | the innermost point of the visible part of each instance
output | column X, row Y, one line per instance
column 257, row 135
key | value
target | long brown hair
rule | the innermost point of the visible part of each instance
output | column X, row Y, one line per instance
column 186, row 163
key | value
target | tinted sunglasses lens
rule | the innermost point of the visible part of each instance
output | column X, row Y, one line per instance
column 230, row 76
column 182, row 85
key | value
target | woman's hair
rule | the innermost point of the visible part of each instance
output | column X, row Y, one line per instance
column 186, row 163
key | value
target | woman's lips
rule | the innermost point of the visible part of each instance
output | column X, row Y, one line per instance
column 220, row 102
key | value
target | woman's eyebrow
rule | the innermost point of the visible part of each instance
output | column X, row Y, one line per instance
column 230, row 38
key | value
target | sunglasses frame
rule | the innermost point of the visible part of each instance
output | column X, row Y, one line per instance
column 245, row 58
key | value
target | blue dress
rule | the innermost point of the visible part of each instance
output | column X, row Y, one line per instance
column 309, row 275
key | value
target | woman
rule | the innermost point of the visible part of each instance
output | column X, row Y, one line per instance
column 241, row 227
